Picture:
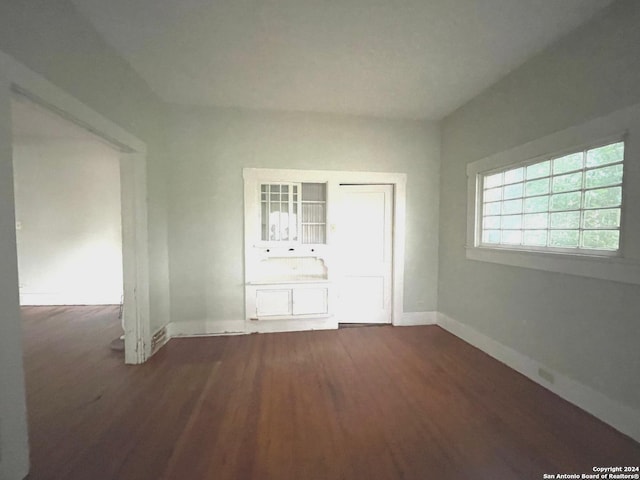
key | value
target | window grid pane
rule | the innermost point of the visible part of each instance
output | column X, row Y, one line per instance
column 568, row 202
column 313, row 213
column 278, row 212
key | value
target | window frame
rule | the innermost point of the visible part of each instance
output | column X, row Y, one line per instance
column 301, row 213
column 299, row 241
column 290, row 204
column 623, row 267
column 578, row 251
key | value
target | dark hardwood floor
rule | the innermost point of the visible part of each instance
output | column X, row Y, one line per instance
column 356, row 403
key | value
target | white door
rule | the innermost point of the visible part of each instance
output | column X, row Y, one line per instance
column 364, row 253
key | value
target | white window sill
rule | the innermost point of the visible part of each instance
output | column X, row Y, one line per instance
column 611, row 268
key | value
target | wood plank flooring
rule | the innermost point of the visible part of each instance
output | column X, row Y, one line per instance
column 357, row 403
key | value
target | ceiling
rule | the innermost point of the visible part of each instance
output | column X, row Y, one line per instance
column 390, row 58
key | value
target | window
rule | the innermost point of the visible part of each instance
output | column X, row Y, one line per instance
column 293, row 212
column 573, row 214
column 568, row 203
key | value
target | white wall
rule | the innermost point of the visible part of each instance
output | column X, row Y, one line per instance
column 209, row 149
column 67, row 194
column 583, row 328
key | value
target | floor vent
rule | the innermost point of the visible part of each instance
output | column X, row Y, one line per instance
column 159, row 338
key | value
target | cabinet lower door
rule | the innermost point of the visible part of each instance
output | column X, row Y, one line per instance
column 292, row 302
column 273, row 302
column 310, row 301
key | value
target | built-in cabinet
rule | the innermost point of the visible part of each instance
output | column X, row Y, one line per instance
column 298, row 238
column 288, row 282
column 288, row 277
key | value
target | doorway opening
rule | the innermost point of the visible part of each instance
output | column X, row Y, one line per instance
column 68, row 216
column 81, row 224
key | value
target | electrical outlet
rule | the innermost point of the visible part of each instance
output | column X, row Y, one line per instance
column 546, row 375
column 18, row 225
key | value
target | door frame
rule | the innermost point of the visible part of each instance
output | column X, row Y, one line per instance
column 15, row 78
column 253, row 177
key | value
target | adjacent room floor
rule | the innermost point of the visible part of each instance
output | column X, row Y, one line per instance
column 357, row 403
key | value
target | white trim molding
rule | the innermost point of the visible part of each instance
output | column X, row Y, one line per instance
column 201, row 328
column 619, row 416
column 14, row 442
column 39, row 299
column 624, row 267
column 417, row 318
column 291, row 325
column 615, row 269
column 211, row 328
column 135, row 257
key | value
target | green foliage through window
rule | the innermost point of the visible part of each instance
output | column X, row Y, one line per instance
column 573, row 201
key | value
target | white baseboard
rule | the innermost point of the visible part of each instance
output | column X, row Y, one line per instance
column 298, row 325
column 417, row 318
column 71, row 298
column 196, row 328
column 619, row 416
